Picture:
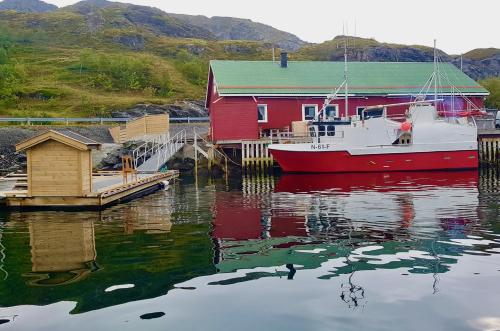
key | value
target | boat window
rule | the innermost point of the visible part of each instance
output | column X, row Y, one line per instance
column 309, row 112
column 331, row 130
column 322, row 130
column 262, row 113
column 312, row 131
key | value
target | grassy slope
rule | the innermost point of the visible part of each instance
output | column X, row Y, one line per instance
column 481, row 53
column 63, row 70
column 53, row 64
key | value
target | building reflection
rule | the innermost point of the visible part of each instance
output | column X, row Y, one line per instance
column 61, row 252
column 148, row 220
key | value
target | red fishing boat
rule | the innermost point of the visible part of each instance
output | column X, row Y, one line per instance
column 424, row 141
column 427, row 137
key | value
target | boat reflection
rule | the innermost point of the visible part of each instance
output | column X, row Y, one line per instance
column 369, row 220
column 381, row 182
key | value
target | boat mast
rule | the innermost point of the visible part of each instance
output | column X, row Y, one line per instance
column 346, row 98
column 435, row 74
column 335, row 94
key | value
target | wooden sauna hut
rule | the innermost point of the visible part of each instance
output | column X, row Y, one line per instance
column 59, row 164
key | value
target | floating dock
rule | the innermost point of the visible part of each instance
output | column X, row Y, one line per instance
column 108, row 190
column 60, row 176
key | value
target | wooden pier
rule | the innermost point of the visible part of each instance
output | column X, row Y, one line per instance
column 489, row 147
column 255, row 156
column 60, row 176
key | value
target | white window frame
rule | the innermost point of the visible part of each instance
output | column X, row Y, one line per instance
column 304, row 110
column 337, row 109
column 265, row 113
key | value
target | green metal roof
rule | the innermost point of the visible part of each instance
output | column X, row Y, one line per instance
column 321, row 78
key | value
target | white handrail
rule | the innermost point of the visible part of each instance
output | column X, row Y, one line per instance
column 163, row 146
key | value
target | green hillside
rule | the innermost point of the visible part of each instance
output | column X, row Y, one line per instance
column 482, row 53
column 57, row 64
column 98, row 56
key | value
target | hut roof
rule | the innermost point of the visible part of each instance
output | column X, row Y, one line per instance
column 66, row 137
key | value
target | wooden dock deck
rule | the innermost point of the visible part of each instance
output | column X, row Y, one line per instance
column 107, row 190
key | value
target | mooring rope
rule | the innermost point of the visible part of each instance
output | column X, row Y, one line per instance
column 2, row 255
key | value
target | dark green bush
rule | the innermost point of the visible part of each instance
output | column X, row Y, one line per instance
column 118, row 73
column 493, row 86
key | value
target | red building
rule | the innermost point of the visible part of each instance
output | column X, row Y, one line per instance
column 247, row 98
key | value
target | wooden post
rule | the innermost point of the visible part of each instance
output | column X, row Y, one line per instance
column 195, row 154
column 243, row 155
column 227, row 171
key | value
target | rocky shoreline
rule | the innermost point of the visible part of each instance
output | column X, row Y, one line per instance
column 10, row 161
column 108, row 158
column 179, row 109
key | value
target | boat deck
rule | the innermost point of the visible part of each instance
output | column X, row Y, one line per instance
column 107, row 190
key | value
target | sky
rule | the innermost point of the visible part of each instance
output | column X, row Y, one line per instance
column 458, row 25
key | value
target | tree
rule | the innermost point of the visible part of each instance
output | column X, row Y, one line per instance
column 493, row 86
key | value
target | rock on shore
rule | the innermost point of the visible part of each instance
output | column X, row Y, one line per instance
column 10, row 161
column 180, row 109
column 108, row 158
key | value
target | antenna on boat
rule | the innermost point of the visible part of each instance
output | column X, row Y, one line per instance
column 346, row 77
column 435, row 79
column 435, row 74
column 334, row 95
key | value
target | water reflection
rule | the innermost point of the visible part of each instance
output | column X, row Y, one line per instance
column 309, row 247
column 55, row 256
column 61, row 252
column 373, row 221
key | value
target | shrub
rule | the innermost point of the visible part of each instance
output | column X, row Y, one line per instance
column 3, row 55
column 194, row 72
column 493, row 86
column 124, row 72
column 11, row 79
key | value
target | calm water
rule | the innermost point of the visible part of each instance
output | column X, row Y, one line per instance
column 414, row 251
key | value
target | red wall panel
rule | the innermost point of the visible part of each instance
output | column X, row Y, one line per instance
column 232, row 120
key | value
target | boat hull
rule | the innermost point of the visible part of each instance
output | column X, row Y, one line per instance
column 343, row 161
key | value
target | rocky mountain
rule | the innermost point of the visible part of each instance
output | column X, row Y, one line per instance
column 101, row 14
column 27, row 6
column 231, row 28
column 478, row 64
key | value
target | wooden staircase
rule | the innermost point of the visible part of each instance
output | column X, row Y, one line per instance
column 210, row 152
column 21, row 181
